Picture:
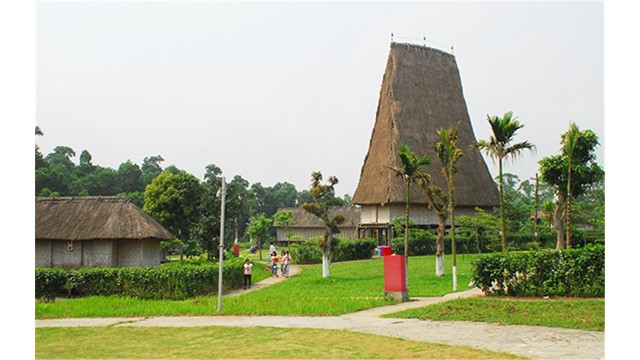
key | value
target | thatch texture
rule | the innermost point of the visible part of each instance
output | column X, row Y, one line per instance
column 304, row 219
column 307, row 226
column 94, row 218
column 421, row 93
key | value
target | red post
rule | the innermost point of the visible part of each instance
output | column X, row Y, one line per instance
column 395, row 277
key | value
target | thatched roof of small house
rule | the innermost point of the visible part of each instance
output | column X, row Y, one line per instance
column 421, row 93
column 93, row 218
column 303, row 219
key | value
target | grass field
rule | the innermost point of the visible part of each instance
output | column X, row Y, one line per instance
column 582, row 314
column 352, row 286
column 237, row 343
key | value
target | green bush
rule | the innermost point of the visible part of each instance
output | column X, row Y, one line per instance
column 306, row 252
column 357, row 249
column 173, row 282
column 421, row 242
column 574, row 272
column 50, row 282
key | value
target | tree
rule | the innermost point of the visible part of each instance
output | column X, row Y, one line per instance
column 85, row 167
column 258, row 229
column 483, row 228
column 150, row 169
column 238, row 207
column 172, row 199
column 410, row 169
column 130, row 177
column 499, row 148
column 438, row 202
column 323, row 199
column 207, row 230
column 270, row 199
column 569, row 143
column 586, row 172
column 449, row 154
column 57, row 174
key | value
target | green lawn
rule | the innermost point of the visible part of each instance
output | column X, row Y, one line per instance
column 582, row 314
column 237, row 343
column 352, row 286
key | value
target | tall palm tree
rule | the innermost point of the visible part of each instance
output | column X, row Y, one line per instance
column 410, row 170
column 449, row 154
column 499, row 147
column 569, row 143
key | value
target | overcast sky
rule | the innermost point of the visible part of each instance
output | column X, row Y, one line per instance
column 273, row 91
column 242, row 86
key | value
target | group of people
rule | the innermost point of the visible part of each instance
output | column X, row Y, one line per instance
column 284, row 260
column 272, row 265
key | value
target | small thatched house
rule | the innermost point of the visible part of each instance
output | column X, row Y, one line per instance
column 306, row 226
column 90, row 231
column 421, row 93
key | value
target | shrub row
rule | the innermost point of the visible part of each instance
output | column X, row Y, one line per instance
column 308, row 252
column 165, row 282
column 424, row 243
column 574, row 272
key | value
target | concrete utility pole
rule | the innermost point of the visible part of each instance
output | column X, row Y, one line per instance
column 223, row 195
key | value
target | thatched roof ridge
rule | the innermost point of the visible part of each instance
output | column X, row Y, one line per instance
column 93, row 218
column 303, row 219
column 421, row 92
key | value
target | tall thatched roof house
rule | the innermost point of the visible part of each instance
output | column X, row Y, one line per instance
column 421, row 93
column 306, row 226
column 94, row 231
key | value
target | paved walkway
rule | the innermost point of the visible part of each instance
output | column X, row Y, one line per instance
column 535, row 342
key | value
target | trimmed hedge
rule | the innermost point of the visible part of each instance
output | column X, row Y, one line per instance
column 165, row 282
column 50, row 282
column 308, row 252
column 574, row 272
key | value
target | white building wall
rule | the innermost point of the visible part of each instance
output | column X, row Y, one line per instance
column 419, row 214
column 151, row 253
column 129, row 253
column 43, row 253
column 103, row 253
column 62, row 257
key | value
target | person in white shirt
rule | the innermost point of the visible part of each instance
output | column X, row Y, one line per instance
column 248, row 267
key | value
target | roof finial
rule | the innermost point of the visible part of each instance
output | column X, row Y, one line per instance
column 391, row 36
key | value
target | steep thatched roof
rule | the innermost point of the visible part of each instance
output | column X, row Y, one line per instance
column 421, row 93
column 93, row 218
column 303, row 219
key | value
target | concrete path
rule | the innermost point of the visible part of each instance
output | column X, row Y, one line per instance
column 535, row 342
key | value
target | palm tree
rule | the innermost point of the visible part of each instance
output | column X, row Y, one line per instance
column 410, row 170
column 438, row 202
column 569, row 143
column 499, row 147
column 449, row 154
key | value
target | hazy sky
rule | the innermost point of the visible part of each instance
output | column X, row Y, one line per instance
column 274, row 91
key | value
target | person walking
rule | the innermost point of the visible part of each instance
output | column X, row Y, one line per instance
column 247, row 270
column 282, row 259
column 286, row 260
column 274, row 264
